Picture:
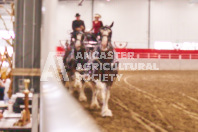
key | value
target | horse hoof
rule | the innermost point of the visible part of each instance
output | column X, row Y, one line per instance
column 95, row 106
column 82, row 98
column 106, row 113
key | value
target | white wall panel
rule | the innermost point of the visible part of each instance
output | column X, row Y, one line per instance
column 174, row 21
column 171, row 20
column 66, row 12
column 130, row 17
column 48, row 29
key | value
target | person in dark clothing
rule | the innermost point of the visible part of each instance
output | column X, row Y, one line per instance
column 78, row 25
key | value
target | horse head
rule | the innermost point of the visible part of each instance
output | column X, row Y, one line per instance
column 105, row 34
column 79, row 37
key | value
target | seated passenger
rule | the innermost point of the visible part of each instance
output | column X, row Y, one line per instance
column 97, row 24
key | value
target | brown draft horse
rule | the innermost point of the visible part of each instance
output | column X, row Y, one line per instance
column 102, row 85
column 70, row 63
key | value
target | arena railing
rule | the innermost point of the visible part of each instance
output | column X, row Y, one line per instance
column 160, row 54
column 60, row 112
column 152, row 53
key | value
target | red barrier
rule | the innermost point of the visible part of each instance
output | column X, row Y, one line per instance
column 160, row 54
column 60, row 50
column 149, row 53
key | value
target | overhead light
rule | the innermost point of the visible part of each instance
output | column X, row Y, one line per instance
column 43, row 9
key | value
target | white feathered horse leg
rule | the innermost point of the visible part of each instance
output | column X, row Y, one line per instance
column 94, row 101
column 71, row 82
column 71, row 89
column 105, row 97
column 82, row 96
column 79, row 85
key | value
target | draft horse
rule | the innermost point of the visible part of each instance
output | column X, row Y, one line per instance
column 101, row 85
column 70, row 62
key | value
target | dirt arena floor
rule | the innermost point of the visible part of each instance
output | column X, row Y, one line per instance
column 151, row 101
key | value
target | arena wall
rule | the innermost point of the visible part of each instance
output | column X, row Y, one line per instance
column 170, row 21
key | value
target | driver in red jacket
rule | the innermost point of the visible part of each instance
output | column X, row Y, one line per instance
column 97, row 24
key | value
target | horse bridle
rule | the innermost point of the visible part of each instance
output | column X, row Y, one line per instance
column 108, row 36
column 80, row 38
column 108, row 39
